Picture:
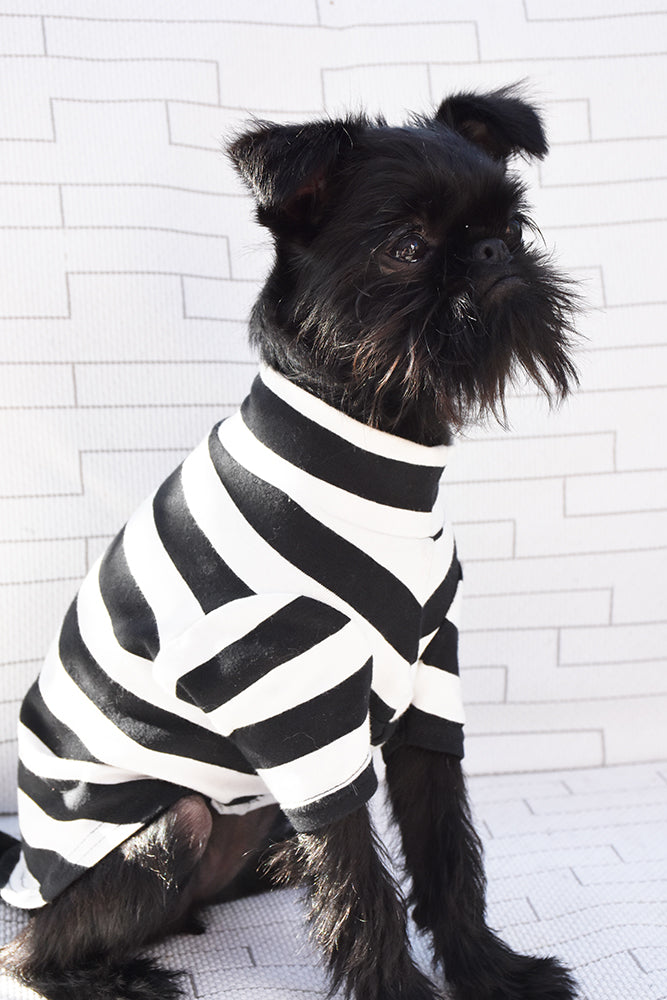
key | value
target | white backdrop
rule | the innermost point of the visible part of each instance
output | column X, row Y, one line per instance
column 130, row 259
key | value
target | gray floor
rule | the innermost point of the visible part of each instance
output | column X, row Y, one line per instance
column 577, row 866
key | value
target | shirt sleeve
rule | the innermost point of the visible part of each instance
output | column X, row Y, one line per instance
column 287, row 680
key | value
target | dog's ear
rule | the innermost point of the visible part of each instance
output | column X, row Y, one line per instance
column 502, row 122
column 289, row 168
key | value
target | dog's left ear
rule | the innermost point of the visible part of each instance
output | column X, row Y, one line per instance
column 289, row 169
column 502, row 122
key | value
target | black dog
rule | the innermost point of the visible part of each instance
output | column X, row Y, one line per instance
column 287, row 598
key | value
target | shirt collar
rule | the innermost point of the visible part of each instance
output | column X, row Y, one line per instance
column 388, row 482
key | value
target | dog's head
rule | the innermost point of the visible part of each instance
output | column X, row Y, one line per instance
column 407, row 287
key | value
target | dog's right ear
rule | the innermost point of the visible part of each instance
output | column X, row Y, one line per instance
column 289, row 169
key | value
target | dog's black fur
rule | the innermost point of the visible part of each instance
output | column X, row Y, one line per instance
column 404, row 292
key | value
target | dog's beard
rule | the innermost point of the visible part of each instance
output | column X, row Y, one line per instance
column 418, row 361
column 502, row 333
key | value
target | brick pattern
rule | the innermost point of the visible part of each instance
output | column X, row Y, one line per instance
column 131, row 259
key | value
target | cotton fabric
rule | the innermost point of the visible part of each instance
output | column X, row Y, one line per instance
column 286, row 600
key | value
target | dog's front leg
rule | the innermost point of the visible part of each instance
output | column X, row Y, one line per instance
column 443, row 856
column 358, row 914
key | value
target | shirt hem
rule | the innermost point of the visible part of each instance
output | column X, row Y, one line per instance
column 336, row 805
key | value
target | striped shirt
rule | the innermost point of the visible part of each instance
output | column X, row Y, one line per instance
column 285, row 601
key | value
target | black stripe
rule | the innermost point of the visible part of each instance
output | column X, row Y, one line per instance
column 381, row 715
column 208, row 576
column 421, row 729
column 335, row 806
column 127, row 802
column 288, row 633
column 340, row 566
column 54, row 734
column 131, row 616
column 441, row 599
column 146, row 724
column 442, row 650
column 241, row 800
column 329, row 457
column 310, row 726
column 10, row 851
column 51, row 871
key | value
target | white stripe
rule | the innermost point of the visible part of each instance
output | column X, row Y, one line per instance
column 423, row 643
column 443, row 547
column 313, row 672
column 292, row 683
column 321, row 772
column 368, row 438
column 134, row 673
column 251, row 557
column 171, row 600
column 22, row 889
column 439, row 693
column 69, row 704
column 245, row 551
column 241, row 808
column 316, row 495
column 265, row 570
column 442, row 554
column 213, row 633
column 411, row 560
column 41, row 761
column 79, row 841
column 454, row 613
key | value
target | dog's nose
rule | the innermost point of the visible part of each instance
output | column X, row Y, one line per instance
column 493, row 251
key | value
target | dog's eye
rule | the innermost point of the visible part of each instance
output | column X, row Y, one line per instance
column 410, row 248
column 512, row 235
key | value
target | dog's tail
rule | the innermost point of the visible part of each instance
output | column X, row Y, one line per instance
column 137, row 978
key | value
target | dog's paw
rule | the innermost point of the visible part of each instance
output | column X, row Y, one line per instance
column 520, row 977
column 416, row 987
column 539, row 979
column 422, row 990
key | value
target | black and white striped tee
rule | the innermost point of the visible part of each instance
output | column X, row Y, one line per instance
column 282, row 603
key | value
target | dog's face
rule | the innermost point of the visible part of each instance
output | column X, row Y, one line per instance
column 407, row 286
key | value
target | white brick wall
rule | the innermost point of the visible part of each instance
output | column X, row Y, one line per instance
column 130, row 261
